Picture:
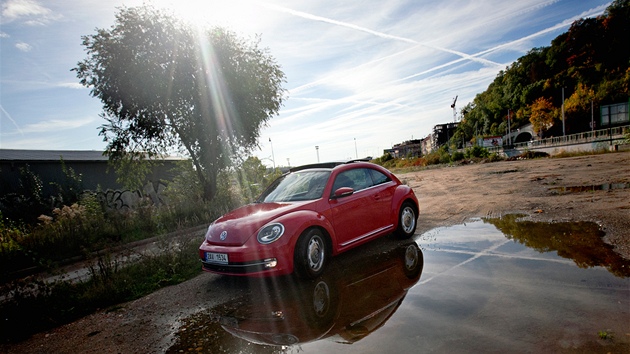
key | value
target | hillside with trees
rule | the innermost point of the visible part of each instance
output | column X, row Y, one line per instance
column 591, row 61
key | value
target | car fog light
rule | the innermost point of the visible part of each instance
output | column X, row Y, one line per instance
column 270, row 263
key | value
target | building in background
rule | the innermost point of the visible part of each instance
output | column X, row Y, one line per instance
column 92, row 166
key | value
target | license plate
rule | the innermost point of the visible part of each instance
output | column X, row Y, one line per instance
column 220, row 258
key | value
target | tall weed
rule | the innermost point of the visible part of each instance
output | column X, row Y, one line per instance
column 33, row 305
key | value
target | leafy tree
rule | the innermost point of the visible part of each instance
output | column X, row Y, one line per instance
column 167, row 85
column 578, row 106
column 589, row 62
column 543, row 114
column 254, row 177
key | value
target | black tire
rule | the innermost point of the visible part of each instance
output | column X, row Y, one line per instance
column 412, row 260
column 323, row 304
column 407, row 221
column 311, row 254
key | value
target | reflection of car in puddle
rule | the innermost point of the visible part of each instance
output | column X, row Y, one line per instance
column 345, row 304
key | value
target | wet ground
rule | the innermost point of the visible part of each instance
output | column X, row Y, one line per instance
column 491, row 285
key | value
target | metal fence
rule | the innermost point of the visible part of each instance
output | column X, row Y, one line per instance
column 608, row 134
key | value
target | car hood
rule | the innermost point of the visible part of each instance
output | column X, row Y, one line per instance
column 244, row 222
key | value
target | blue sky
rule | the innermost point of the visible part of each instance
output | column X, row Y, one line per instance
column 361, row 75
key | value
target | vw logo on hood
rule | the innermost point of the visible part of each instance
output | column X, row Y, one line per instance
column 223, row 235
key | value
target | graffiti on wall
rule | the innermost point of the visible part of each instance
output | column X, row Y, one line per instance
column 151, row 193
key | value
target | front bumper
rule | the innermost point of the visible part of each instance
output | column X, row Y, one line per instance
column 274, row 261
column 242, row 268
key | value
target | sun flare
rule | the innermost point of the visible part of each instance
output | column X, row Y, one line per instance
column 237, row 15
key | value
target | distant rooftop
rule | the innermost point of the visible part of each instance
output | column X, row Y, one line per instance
column 56, row 155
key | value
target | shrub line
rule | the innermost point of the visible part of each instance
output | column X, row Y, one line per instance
column 23, row 273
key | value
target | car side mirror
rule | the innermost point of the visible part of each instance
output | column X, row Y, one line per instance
column 343, row 192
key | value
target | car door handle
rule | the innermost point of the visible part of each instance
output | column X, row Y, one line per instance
column 377, row 196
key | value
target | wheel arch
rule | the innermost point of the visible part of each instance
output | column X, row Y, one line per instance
column 304, row 220
column 404, row 194
column 327, row 237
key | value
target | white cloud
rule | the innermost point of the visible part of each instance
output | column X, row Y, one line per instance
column 29, row 11
column 4, row 35
column 71, row 85
column 56, row 125
column 24, row 47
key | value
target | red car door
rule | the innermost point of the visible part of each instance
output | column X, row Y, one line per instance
column 383, row 189
column 358, row 216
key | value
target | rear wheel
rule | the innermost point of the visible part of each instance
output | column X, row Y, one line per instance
column 406, row 220
column 311, row 254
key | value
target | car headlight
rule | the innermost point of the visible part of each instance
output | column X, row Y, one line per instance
column 270, row 233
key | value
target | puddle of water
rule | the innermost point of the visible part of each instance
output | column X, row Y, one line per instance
column 579, row 241
column 494, row 285
column 580, row 189
column 350, row 301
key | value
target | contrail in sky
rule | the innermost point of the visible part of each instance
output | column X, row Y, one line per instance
column 378, row 34
column 11, row 119
column 463, row 56
column 566, row 23
column 325, row 79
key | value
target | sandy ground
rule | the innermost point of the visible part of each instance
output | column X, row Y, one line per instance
column 449, row 195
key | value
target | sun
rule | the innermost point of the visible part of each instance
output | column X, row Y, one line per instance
column 239, row 15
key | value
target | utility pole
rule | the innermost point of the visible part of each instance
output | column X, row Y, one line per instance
column 592, row 122
column 509, row 129
column 563, row 131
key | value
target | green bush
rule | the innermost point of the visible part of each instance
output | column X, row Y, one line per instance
column 533, row 155
column 444, row 158
column 495, row 157
column 36, row 305
column 433, row 158
column 477, row 152
column 457, row 156
column 383, row 159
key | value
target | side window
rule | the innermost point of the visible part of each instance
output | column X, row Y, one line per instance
column 378, row 178
column 357, row 179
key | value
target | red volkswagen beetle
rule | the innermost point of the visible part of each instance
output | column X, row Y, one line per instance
column 306, row 216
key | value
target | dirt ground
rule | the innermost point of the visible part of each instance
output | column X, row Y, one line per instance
column 543, row 189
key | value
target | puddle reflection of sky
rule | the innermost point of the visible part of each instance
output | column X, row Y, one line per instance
column 482, row 292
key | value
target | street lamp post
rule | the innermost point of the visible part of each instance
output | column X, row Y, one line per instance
column 273, row 158
column 317, row 149
column 356, row 153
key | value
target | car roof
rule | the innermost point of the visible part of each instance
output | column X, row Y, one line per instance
column 325, row 165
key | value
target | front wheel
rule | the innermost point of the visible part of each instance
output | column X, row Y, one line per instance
column 406, row 221
column 311, row 254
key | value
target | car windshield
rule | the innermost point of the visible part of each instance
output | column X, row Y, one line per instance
column 296, row 186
